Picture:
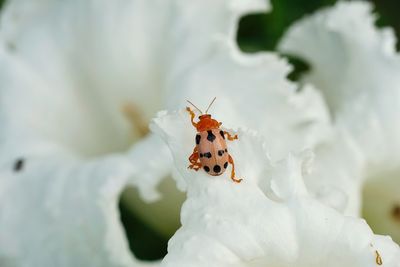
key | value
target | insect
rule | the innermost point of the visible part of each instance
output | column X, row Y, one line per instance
column 210, row 152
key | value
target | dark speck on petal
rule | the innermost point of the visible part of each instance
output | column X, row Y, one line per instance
column 19, row 165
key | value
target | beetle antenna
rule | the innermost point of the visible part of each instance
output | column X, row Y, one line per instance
column 194, row 106
column 210, row 104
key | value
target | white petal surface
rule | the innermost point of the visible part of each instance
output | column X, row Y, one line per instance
column 357, row 68
column 267, row 220
column 71, row 79
column 341, row 186
column 59, row 211
column 222, row 22
column 80, row 60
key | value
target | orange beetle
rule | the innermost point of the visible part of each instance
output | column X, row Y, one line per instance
column 211, row 152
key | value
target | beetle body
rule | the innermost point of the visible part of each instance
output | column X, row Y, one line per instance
column 211, row 152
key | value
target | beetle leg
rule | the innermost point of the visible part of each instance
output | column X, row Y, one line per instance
column 230, row 137
column 230, row 160
column 194, row 160
column 192, row 115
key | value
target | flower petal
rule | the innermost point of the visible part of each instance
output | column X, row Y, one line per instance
column 341, row 186
column 229, row 224
column 150, row 167
column 68, row 77
column 59, row 211
column 222, row 22
column 357, row 68
column 78, row 60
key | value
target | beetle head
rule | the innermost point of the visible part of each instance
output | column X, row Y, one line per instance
column 204, row 116
column 207, row 123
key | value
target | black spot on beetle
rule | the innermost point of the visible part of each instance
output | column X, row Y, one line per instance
column 201, row 155
column 222, row 134
column 19, row 165
column 220, row 152
column 198, row 137
column 226, row 150
column 210, row 137
column 225, row 165
column 217, row 169
column 207, row 155
column 207, row 169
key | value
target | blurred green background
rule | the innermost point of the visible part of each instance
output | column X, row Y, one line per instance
column 260, row 32
column 257, row 32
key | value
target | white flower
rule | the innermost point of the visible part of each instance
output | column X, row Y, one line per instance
column 358, row 71
column 79, row 82
column 268, row 219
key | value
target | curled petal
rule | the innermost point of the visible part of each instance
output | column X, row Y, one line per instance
column 229, row 224
column 356, row 66
column 59, row 204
